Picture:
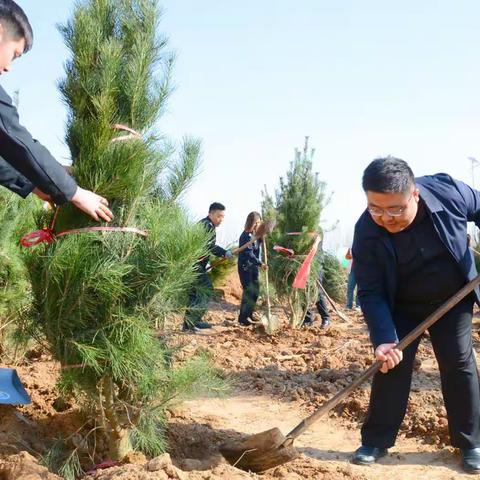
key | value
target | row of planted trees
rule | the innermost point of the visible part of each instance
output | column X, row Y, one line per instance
column 95, row 299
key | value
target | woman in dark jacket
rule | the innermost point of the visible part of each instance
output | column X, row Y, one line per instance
column 249, row 261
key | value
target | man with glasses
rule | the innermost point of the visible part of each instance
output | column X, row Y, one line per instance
column 410, row 255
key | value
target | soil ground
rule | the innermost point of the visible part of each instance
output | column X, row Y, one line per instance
column 277, row 380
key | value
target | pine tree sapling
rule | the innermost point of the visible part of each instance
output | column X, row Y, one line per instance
column 335, row 278
column 297, row 208
column 98, row 296
column 16, row 216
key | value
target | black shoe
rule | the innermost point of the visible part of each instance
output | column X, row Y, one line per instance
column 325, row 323
column 245, row 322
column 203, row 325
column 187, row 327
column 471, row 460
column 307, row 323
column 368, row 455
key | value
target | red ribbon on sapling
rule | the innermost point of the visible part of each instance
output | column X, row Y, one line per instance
column 47, row 234
column 301, row 278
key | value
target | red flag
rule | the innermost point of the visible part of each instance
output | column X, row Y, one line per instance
column 304, row 271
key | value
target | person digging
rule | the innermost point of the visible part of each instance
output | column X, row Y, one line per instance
column 410, row 254
column 201, row 292
column 25, row 165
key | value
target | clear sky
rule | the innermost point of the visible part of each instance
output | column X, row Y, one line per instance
column 361, row 78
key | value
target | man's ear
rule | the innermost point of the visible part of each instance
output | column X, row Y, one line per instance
column 416, row 194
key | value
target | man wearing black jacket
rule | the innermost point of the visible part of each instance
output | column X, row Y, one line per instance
column 25, row 165
column 202, row 290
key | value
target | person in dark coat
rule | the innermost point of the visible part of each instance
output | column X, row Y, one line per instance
column 25, row 165
column 249, row 262
column 202, row 290
column 410, row 255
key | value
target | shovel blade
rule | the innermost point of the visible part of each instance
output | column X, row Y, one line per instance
column 259, row 452
column 270, row 323
column 12, row 391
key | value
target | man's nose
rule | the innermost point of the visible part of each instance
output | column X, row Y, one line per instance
column 386, row 217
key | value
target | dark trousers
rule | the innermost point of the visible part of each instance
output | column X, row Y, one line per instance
column 251, row 291
column 198, row 298
column 321, row 304
column 322, row 308
column 451, row 339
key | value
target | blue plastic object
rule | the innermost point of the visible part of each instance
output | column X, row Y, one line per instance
column 12, row 391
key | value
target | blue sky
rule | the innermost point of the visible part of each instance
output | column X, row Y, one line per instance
column 360, row 78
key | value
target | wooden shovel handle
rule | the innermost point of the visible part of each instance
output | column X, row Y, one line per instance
column 235, row 251
column 238, row 250
column 267, row 282
column 407, row 340
column 332, row 303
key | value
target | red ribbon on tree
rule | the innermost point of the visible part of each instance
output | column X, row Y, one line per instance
column 301, row 278
column 47, row 235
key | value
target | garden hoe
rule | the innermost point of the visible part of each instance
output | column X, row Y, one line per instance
column 271, row 448
column 11, row 388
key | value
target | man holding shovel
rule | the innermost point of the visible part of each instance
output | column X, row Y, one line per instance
column 410, row 254
column 201, row 292
column 25, row 165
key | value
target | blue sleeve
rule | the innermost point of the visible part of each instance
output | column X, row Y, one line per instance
column 369, row 274
column 472, row 201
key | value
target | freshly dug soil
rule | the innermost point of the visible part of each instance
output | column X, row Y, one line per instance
column 277, row 380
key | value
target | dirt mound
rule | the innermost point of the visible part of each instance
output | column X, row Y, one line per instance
column 23, row 466
column 162, row 468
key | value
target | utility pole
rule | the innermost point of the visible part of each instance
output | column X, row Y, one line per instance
column 475, row 163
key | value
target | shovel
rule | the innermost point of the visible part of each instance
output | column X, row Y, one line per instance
column 271, row 448
column 332, row 303
column 11, row 388
column 270, row 322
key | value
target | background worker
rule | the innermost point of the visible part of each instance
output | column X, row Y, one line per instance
column 202, row 290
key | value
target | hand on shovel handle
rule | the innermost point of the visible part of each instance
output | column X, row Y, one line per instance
column 389, row 355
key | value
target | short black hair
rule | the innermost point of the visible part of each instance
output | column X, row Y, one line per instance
column 388, row 175
column 15, row 21
column 216, row 206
